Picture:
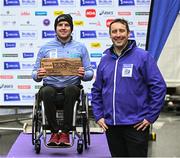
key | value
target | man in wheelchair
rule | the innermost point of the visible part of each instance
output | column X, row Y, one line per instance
column 62, row 46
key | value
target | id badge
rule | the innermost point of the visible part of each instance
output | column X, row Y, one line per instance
column 53, row 53
column 127, row 70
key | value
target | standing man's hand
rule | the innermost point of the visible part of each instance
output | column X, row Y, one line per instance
column 102, row 124
column 81, row 71
column 142, row 125
column 41, row 73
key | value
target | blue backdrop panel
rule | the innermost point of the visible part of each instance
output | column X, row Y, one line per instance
column 163, row 16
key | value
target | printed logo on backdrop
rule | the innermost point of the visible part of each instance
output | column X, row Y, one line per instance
column 95, row 23
column 141, row 44
column 88, row 3
column 6, row 86
column 29, row 97
column 141, row 34
column 37, row 86
column 7, row 13
column 130, row 23
column 11, row 34
column 11, row 3
column 41, row 13
column 29, row 3
column 90, row 13
column 13, row 55
column 9, row 77
column 142, row 23
column 26, row 45
column 67, row 2
column 11, row 97
column 9, row 23
column 25, row 13
column 27, row 66
column 143, row 2
column 96, row 55
column 126, row 2
column 132, row 35
column 108, row 45
column 48, row 34
column 88, row 34
column 124, row 13
column 106, row 13
column 49, row 2
column 141, row 13
column 76, row 13
column 27, row 23
column 9, row 44
column 28, row 55
column 28, row 35
column 103, row 34
column 95, row 45
column 46, row 22
column 78, row 23
column 108, row 21
column 94, row 65
column 24, row 77
column 23, row 86
column 11, row 65
column 59, row 12
column 105, row 2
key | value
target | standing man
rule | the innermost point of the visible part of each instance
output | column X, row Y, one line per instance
column 128, row 94
column 62, row 46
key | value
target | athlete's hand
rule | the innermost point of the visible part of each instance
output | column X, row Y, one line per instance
column 81, row 71
column 142, row 125
column 41, row 73
column 102, row 124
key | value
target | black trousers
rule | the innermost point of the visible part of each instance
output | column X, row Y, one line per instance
column 126, row 141
column 49, row 95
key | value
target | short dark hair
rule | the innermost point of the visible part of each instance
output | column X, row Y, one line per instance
column 122, row 21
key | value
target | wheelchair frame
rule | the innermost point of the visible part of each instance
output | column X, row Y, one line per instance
column 39, row 124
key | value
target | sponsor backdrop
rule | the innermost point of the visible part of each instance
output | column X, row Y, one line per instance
column 28, row 24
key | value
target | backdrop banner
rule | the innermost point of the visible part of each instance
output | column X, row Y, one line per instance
column 26, row 25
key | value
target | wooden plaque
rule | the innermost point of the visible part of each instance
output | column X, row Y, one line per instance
column 61, row 66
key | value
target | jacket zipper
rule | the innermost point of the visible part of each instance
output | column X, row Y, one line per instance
column 114, row 91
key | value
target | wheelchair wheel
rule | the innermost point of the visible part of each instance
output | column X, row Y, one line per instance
column 33, row 130
column 80, row 146
column 86, row 133
column 36, row 124
column 38, row 146
column 86, row 129
column 87, row 124
column 33, row 124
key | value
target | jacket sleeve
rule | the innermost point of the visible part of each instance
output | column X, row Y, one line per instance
column 37, row 66
column 157, row 89
column 87, row 65
column 97, row 102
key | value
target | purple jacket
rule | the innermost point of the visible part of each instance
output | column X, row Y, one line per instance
column 128, row 88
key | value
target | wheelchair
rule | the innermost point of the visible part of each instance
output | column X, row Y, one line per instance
column 80, row 125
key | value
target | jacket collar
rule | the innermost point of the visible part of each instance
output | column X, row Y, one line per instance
column 71, row 38
column 131, row 44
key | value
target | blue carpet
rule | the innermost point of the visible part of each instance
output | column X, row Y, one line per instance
column 24, row 148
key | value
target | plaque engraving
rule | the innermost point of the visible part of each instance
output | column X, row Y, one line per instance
column 61, row 66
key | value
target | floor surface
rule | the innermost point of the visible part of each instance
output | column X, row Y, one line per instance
column 167, row 129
